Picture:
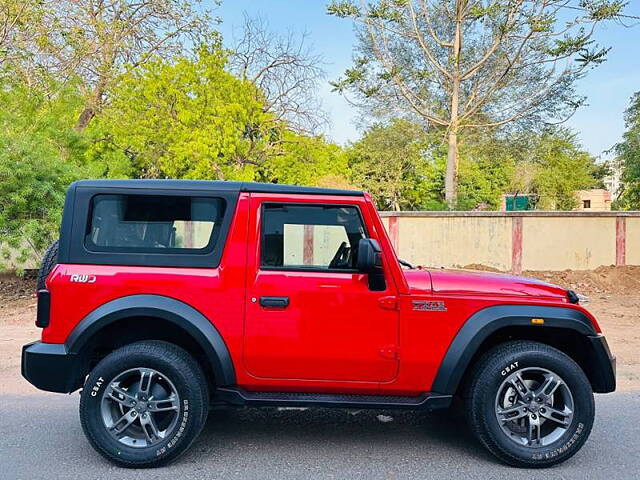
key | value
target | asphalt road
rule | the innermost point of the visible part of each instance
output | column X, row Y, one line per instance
column 41, row 438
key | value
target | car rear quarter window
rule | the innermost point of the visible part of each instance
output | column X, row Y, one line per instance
column 154, row 223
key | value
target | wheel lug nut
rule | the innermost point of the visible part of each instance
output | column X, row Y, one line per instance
column 533, row 416
column 542, row 410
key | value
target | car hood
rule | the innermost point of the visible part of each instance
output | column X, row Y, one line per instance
column 469, row 282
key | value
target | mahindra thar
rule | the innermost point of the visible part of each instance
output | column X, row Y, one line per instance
column 164, row 297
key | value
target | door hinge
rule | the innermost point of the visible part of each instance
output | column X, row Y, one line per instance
column 389, row 303
column 390, row 352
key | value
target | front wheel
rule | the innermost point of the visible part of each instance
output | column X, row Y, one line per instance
column 144, row 404
column 530, row 404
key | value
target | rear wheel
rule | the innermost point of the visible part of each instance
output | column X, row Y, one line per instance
column 530, row 404
column 144, row 404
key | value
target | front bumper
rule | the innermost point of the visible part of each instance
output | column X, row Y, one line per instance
column 48, row 366
column 602, row 365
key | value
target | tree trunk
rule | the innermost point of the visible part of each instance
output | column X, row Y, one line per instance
column 85, row 117
column 93, row 105
column 451, row 174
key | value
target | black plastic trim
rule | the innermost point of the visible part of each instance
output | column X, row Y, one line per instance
column 44, row 308
column 274, row 302
column 66, row 225
column 174, row 311
column 240, row 397
column 50, row 367
column 77, row 206
column 601, row 365
column 488, row 320
column 573, row 297
column 216, row 185
column 76, row 217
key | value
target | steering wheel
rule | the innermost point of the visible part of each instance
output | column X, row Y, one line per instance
column 341, row 258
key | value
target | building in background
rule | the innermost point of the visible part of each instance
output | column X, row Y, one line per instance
column 613, row 181
column 594, row 200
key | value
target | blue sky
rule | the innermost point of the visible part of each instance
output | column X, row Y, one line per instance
column 608, row 87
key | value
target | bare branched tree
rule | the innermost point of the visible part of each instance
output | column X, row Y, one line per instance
column 465, row 64
column 18, row 20
column 94, row 40
column 286, row 70
column 12, row 15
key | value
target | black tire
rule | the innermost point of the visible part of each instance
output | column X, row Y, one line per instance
column 172, row 365
column 49, row 260
column 492, row 375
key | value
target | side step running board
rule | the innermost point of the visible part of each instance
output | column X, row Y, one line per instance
column 237, row 396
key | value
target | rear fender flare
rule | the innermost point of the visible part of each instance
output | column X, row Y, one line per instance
column 179, row 313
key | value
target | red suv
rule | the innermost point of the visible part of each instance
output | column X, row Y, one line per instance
column 163, row 297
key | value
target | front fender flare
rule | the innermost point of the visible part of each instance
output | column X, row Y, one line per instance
column 487, row 321
column 179, row 313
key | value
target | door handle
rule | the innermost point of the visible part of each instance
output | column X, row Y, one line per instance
column 274, row 302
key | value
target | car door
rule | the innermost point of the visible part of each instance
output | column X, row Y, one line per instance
column 310, row 315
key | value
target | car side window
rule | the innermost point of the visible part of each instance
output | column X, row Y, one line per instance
column 148, row 223
column 314, row 237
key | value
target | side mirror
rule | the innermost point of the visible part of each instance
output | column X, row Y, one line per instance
column 370, row 262
column 369, row 256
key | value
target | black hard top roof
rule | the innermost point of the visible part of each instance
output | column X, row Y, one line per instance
column 218, row 185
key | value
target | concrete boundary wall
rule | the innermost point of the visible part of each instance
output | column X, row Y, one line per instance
column 512, row 241
column 516, row 241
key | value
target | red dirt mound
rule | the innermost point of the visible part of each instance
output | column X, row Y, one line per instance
column 611, row 280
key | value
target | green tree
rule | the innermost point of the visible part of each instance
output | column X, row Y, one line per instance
column 550, row 164
column 462, row 65
column 404, row 167
column 307, row 161
column 40, row 155
column 397, row 165
column 554, row 167
column 185, row 118
column 487, row 168
column 628, row 157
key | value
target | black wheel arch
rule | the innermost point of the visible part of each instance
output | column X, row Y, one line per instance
column 567, row 329
column 152, row 312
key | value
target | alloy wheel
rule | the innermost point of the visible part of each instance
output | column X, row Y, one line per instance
column 140, row 407
column 534, row 407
